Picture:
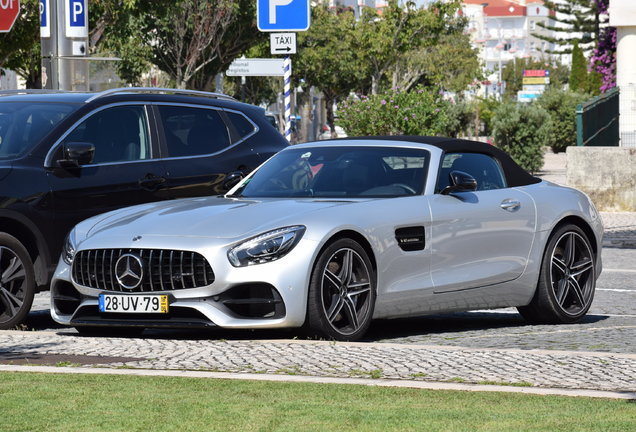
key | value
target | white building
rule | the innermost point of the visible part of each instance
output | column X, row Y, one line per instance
column 503, row 29
column 623, row 17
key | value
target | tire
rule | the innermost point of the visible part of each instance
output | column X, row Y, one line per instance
column 17, row 282
column 105, row 331
column 567, row 279
column 342, row 292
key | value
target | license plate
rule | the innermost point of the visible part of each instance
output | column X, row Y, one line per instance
column 133, row 303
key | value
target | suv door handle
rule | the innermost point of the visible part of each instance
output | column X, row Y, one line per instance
column 151, row 182
column 510, row 205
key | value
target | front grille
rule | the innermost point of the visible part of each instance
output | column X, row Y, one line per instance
column 163, row 270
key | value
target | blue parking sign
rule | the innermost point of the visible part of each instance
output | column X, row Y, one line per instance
column 76, row 12
column 45, row 19
column 282, row 15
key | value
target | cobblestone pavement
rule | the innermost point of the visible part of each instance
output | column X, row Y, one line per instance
column 616, row 372
column 494, row 347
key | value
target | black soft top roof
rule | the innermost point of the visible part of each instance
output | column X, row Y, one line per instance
column 515, row 175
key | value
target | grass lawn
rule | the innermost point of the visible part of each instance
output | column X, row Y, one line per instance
column 61, row 402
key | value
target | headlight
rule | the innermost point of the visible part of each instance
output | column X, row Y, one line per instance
column 266, row 247
column 68, row 251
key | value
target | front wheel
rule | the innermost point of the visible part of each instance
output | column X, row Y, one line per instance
column 341, row 292
column 567, row 280
column 17, row 282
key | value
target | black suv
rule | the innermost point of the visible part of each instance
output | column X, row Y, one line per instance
column 68, row 156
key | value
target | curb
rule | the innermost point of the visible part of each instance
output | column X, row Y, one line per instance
column 423, row 385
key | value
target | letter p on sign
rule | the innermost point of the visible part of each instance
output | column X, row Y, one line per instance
column 76, row 13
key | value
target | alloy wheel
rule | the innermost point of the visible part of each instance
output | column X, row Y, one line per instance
column 572, row 273
column 12, row 284
column 346, row 291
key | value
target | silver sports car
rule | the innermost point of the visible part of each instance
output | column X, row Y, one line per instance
column 329, row 235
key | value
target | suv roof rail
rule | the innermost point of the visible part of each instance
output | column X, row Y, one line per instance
column 29, row 91
column 158, row 90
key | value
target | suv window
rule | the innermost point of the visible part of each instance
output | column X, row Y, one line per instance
column 243, row 126
column 193, row 131
column 119, row 134
column 23, row 125
column 483, row 168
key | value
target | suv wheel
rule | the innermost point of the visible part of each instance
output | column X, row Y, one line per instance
column 17, row 282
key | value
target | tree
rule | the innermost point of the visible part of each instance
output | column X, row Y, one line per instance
column 451, row 64
column 327, row 58
column 417, row 112
column 578, row 73
column 382, row 40
column 190, row 40
column 603, row 58
column 561, row 107
column 520, row 130
column 579, row 17
column 20, row 48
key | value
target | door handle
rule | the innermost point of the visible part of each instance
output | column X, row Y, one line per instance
column 151, row 182
column 510, row 205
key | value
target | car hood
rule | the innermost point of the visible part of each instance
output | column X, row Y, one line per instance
column 216, row 217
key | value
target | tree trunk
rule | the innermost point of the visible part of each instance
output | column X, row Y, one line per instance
column 375, row 84
column 329, row 99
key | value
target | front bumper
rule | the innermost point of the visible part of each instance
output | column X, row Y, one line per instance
column 269, row 295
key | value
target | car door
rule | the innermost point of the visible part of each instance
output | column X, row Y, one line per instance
column 201, row 145
column 123, row 171
column 479, row 238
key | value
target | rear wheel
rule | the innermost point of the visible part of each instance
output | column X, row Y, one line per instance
column 341, row 292
column 567, row 280
column 17, row 282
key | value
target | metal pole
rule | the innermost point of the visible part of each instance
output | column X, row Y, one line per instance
column 287, row 91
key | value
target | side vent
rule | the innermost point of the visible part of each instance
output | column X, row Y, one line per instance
column 410, row 238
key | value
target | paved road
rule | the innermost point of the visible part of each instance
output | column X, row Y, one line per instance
column 484, row 347
column 474, row 347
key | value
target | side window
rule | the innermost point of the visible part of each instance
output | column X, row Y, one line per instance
column 243, row 126
column 483, row 168
column 193, row 131
column 119, row 134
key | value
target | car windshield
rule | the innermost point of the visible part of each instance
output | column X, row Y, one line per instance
column 339, row 172
column 24, row 124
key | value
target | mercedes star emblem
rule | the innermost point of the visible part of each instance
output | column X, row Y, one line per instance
column 129, row 271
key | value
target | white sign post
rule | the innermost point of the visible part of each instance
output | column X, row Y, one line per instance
column 284, row 16
column 256, row 67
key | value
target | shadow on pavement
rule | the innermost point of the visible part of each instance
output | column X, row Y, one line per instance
column 381, row 329
column 452, row 323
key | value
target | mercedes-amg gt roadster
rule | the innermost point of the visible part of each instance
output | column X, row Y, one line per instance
column 329, row 235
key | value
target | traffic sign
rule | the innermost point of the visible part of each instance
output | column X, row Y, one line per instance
column 45, row 19
column 76, row 14
column 282, row 43
column 524, row 96
column 282, row 15
column 535, row 80
column 538, row 88
column 9, row 10
column 256, row 67
column 536, row 73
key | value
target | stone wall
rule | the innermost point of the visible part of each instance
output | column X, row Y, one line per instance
column 606, row 174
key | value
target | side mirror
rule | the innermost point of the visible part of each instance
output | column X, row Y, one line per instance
column 232, row 179
column 460, row 182
column 76, row 154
